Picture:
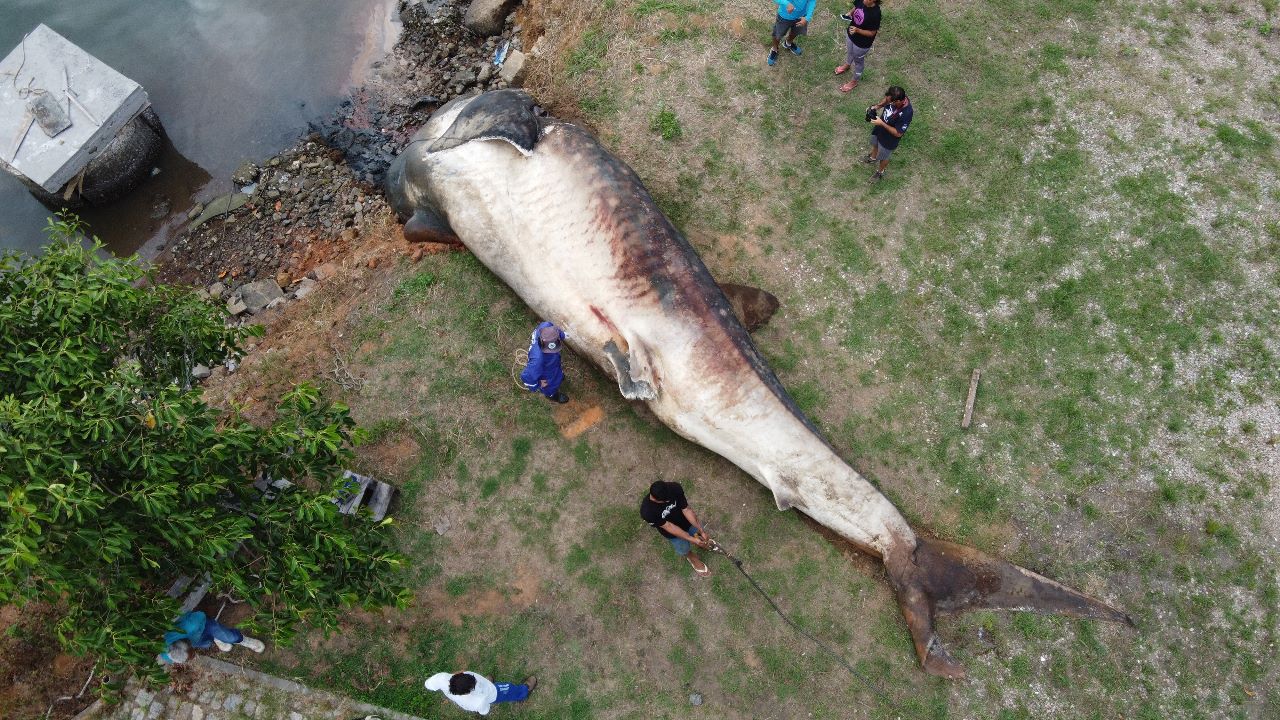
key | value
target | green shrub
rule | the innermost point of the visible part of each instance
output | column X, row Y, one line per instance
column 116, row 477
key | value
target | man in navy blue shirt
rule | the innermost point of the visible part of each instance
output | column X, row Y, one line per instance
column 542, row 373
column 893, row 116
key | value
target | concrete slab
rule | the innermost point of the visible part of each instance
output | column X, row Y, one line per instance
column 102, row 103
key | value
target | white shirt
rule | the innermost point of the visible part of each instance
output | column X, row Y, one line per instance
column 477, row 701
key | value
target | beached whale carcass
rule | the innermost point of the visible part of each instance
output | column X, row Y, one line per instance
column 573, row 231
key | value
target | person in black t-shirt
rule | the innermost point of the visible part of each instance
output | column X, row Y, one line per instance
column 666, row 509
column 892, row 117
column 864, row 23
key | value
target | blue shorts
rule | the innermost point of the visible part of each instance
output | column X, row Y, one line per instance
column 683, row 546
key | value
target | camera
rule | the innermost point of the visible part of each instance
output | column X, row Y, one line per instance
column 871, row 113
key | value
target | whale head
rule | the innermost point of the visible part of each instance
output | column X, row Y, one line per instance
column 510, row 116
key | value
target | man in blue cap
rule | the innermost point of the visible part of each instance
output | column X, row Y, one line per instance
column 543, row 373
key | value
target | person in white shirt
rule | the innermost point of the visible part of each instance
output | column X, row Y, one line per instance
column 473, row 692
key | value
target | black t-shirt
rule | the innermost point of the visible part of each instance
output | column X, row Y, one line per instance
column 864, row 18
column 658, row 514
column 900, row 119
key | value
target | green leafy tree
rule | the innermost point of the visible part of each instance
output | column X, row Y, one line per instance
column 116, row 478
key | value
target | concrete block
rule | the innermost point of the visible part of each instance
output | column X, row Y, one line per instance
column 513, row 69
column 44, row 62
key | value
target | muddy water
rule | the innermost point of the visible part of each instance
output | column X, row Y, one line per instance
column 230, row 79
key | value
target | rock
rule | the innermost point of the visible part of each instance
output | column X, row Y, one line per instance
column 373, row 263
column 217, row 290
column 305, row 288
column 695, row 699
column 246, row 174
column 236, row 307
column 484, row 74
column 277, row 303
column 283, row 279
column 512, row 71
column 463, row 78
column 442, row 525
column 325, row 271
column 200, row 372
column 257, row 295
column 486, row 17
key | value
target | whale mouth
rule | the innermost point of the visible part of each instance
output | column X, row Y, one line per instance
column 939, row 578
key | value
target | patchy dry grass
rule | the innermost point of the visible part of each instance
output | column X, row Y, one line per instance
column 1085, row 208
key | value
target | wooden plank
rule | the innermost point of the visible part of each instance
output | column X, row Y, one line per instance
column 381, row 500
column 349, row 505
column 973, row 394
column 196, row 595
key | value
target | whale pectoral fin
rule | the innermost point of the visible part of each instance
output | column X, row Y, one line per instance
column 785, row 493
column 632, row 388
column 508, row 115
column 427, row 226
column 752, row 305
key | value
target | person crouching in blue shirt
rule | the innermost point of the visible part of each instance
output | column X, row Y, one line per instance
column 543, row 373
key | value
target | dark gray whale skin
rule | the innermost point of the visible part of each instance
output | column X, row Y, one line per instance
column 573, row 231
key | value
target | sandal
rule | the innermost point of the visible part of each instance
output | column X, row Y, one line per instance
column 842, row 69
column 849, row 85
column 704, row 572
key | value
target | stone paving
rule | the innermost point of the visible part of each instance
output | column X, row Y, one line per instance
column 222, row 691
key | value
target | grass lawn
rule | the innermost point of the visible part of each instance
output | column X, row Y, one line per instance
column 1085, row 208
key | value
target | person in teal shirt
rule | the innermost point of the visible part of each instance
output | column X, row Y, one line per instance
column 793, row 20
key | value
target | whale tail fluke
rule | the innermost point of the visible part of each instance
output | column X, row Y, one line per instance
column 942, row 578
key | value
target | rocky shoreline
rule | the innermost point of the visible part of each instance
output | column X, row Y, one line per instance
column 295, row 213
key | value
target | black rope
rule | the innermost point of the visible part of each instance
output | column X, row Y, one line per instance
column 866, row 681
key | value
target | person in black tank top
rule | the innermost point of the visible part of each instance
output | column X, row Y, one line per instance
column 864, row 25
column 666, row 508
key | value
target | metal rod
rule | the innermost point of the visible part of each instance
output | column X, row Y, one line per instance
column 71, row 96
column 28, row 121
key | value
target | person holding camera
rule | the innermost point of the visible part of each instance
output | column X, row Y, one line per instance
column 889, row 120
column 864, row 23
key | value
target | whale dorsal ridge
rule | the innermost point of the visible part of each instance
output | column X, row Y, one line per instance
column 508, row 115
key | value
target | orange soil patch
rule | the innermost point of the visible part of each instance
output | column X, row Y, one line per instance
column 584, row 422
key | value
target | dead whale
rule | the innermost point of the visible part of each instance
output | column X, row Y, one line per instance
column 573, row 231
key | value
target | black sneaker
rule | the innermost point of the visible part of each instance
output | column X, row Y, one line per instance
column 877, row 177
column 846, row 17
column 559, row 398
column 867, row 159
column 793, row 47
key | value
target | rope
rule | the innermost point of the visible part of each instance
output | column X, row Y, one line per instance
column 863, row 679
column 521, row 357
